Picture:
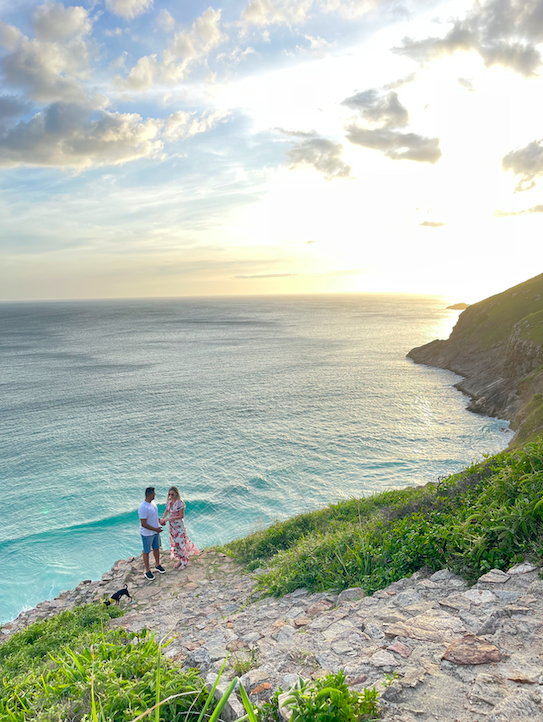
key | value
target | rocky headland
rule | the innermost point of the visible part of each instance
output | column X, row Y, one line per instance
column 497, row 347
column 436, row 650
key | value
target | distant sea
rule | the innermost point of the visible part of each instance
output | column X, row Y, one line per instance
column 256, row 408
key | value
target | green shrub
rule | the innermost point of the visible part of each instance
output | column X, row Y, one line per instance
column 489, row 516
column 329, row 699
column 71, row 667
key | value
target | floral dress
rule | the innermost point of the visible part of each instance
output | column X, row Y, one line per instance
column 181, row 545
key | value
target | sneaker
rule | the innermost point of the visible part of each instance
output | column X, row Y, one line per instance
column 160, row 569
column 149, row 575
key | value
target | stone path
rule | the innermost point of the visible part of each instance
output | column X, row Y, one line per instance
column 437, row 651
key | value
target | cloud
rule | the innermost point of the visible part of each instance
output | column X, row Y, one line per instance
column 467, row 84
column 507, row 214
column 433, row 224
column 165, row 21
column 128, row 9
column 400, row 82
column 236, row 55
column 184, row 125
column 11, row 106
column 64, row 136
column 321, row 154
column 502, row 32
column 67, row 135
column 396, row 145
column 185, row 49
column 375, row 108
column 261, row 13
column 50, row 66
column 385, row 115
column 53, row 22
column 525, row 162
column 298, row 133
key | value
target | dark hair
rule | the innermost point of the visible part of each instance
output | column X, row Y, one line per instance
column 149, row 490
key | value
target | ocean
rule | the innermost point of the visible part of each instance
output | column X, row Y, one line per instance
column 256, row 408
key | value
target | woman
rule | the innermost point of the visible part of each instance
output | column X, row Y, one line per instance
column 181, row 545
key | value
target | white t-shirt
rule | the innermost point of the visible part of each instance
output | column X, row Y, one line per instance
column 148, row 510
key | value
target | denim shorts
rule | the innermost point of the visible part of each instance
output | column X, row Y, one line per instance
column 150, row 542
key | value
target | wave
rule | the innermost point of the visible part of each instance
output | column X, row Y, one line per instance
column 86, row 527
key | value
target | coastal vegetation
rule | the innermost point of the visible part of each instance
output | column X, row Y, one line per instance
column 72, row 667
column 488, row 516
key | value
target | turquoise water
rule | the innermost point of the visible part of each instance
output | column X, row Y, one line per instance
column 257, row 408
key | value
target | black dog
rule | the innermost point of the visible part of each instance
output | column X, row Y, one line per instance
column 116, row 596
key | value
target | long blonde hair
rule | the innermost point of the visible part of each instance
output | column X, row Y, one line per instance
column 176, row 492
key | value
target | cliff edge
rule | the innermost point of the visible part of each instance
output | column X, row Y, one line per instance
column 497, row 346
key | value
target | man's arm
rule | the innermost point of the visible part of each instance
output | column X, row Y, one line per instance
column 148, row 526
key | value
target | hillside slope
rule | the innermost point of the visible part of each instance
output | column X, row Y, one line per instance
column 497, row 346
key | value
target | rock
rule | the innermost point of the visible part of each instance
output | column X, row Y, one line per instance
column 429, row 628
column 442, row 576
column 337, row 629
column 494, row 576
column 408, row 597
column 350, row 595
column 523, row 568
column 516, row 707
column 479, row 596
column 374, row 631
column 487, row 688
column 457, row 602
column 353, row 681
column 284, row 633
column 199, row 658
column 285, row 711
column 521, row 678
column 400, row 648
column 472, row 650
column 383, row 659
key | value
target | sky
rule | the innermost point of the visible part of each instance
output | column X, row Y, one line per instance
column 175, row 148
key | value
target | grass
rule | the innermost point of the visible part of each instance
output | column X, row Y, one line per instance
column 491, row 320
column 532, row 426
column 243, row 664
column 489, row 516
column 71, row 667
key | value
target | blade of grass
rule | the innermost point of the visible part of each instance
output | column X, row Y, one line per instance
column 223, row 700
column 212, row 692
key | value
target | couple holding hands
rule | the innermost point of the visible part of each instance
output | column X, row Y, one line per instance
column 151, row 526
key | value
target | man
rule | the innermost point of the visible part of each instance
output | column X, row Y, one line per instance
column 150, row 530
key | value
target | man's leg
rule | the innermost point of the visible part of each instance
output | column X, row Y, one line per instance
column 156, row 554
column 146, row 550
column 146, row 561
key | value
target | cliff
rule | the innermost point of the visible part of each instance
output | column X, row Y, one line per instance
column 497, row 346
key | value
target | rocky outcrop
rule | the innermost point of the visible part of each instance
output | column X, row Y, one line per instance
column 496, row 346
column 436, row 649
